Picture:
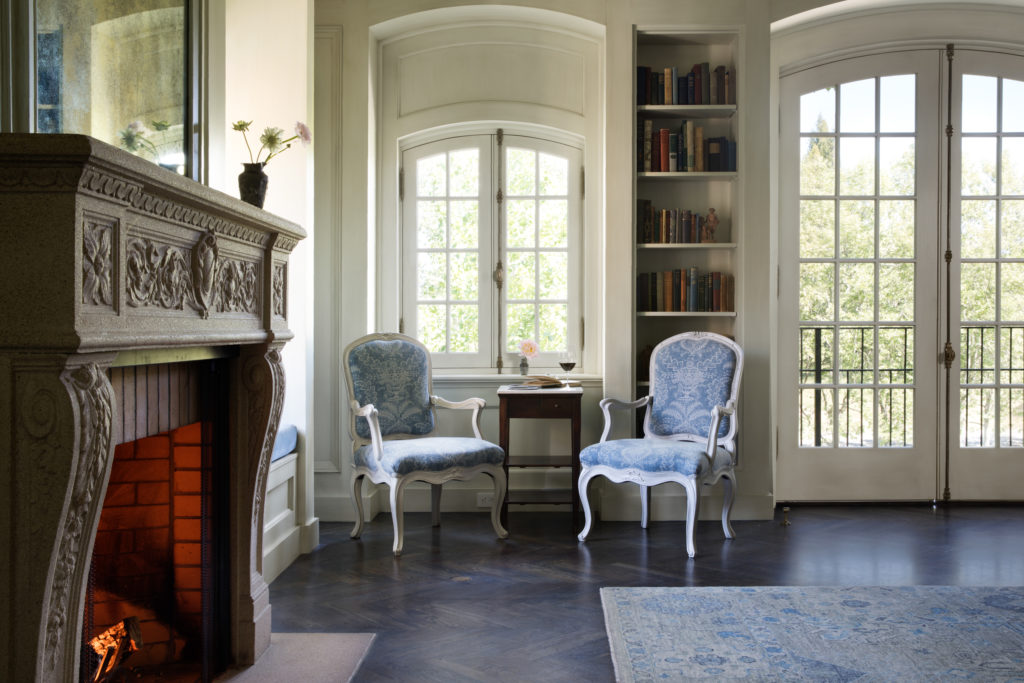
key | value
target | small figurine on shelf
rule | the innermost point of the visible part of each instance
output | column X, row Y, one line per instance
column 710, row 225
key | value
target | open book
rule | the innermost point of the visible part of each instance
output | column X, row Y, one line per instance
column 544, row 382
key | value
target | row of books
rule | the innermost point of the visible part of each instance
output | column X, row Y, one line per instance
column 667, row 150
column 685, row 290
column 700, row 85
column 673, row 226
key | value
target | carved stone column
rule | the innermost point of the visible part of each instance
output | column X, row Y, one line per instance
column 61, row 414
column 257, row 400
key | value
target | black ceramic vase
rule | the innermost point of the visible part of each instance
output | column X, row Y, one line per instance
column 252, row 184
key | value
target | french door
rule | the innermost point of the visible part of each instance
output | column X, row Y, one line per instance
column 863, row 279
column 858, row 304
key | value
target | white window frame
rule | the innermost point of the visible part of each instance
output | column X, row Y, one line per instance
column 492, row 247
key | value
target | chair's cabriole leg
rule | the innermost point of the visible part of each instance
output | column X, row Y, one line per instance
column 729, row 495
column 397, row 518
column 435, row 504
column 645, row 505
column 499, row 495
column 357, row 500
column 692, row 505
column 585, row 504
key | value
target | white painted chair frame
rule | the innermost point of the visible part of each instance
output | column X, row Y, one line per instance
column 690, row 483
column 397, row 483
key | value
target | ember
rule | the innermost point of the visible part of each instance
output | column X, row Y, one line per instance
column 114, row 645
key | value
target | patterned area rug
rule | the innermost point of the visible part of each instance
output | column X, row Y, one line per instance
column 909, row 633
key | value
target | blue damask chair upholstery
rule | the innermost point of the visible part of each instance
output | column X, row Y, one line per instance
column 392, row 429
column 689, row 429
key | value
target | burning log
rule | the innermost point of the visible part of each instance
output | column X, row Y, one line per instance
column 114, row 645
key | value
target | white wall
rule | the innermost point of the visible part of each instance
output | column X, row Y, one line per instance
column 262, row 71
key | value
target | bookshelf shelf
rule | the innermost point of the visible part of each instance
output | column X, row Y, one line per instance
column 688, row 175
column 688, row 245
column 672, row 205
column 686, row 111
column 686, row 314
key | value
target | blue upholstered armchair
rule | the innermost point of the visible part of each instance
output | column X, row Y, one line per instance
column 392, row 427
column 689, row 428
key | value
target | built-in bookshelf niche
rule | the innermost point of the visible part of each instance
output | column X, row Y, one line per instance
column 687, row 226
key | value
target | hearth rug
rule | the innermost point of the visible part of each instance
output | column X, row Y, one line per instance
column 907, row 633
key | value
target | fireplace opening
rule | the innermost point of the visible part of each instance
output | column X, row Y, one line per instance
column 160, row 555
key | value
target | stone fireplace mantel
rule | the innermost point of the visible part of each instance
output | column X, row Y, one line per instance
column 105, row 253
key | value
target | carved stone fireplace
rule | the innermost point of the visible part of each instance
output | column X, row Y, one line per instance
column 111, row 261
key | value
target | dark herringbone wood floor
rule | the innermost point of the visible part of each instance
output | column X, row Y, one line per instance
column 460, row 605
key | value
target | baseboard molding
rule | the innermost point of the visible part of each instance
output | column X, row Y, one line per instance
column 281, row 555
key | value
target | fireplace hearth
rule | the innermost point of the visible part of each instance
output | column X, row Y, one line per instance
column 112, row 263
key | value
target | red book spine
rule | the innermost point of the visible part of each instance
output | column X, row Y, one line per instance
column 663, row 135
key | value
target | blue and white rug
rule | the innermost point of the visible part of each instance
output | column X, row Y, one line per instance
column 907, row 633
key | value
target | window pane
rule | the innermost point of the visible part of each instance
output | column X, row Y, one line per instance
column 897, row 104
column 895, row 417
column 465, row 224
column 554, row 175
column 856, row 411
column 520, row 217
column 1012, row 228
column 521, row 323
column 554, row 271
column 1011, row 355
column 977, row 355
column 896, row 229
column 818, row 111
column 465, row 326
column 817, row 281
column 978, row 228
column 977, row 291
column 896, row 166
column 857, row 106
column 554, row 223
column 1013, row 106
column 817, row 228
column 431, row 323
column 856, row 355
column 431, row 173
column 816, row 354
column 978, row 166
column 520, row 171
column 521, row 275
column 430, row 224
column 1011, row 292
column 896, row 288
column 816, row 410
column 554, row 321
column 1012, row 171
column 817, row 166
column 857, row 291
column 856, row 229
column 464, row 276
column 979, row 104
column 1011, row 417
column 430, row 276
column 977, row 418
column 896, row 355
column 464, row 173
column 856, row 166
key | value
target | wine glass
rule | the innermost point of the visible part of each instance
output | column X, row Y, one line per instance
column 567, row 359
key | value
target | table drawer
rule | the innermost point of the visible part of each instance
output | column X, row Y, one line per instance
column 542, row 406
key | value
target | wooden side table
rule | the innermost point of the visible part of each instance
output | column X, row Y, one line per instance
column 560, row 403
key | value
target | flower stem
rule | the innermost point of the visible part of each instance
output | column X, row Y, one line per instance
column 244, row 137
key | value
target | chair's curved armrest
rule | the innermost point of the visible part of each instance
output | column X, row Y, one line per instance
column 717, row 413
column 370, row 413
column 475, row 404
column 610, row 404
